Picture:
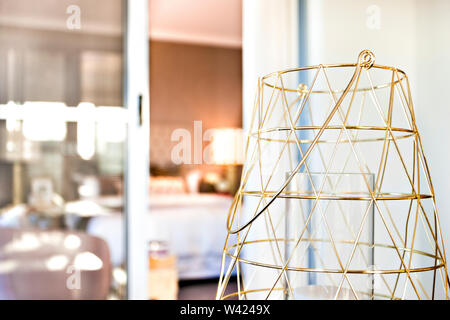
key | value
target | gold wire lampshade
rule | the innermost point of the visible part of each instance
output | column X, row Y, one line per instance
column 336, row 199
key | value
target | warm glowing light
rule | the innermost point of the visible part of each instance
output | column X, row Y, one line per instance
column 227, row 146
column 10, row 146
column 44, row 121
column 12, row 123
column 86, row 131
column 193, row 180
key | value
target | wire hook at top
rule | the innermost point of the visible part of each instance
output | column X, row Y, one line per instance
column 366, row 59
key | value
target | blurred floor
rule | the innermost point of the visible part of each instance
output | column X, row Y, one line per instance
column 202, row 289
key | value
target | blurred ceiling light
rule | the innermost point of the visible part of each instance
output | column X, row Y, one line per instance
column 44, row 121
column 227, row 146
column 86, row 131
column 57, row 263
column 87, row 261
column 12, row 121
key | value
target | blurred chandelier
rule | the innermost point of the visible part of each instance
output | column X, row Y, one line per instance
column 336, row 199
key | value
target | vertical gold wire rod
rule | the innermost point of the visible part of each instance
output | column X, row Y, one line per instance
column 339, row 178
column 428, row 177
column 335, row 148
column 375, row 201
column 335, row 109
column 258, row 203
column 383, row 162
column 412, row 126
column 414, row 230
column 389, row 121
column 299, row 100
column 435, row 238
column 407, row 219
column 367, row 185
column 276, row 164
column 268, row 214
column 238, row 250
column 236, row 201
column 348, row 157
column 309, row 174
column 317, row 199
column 301, row 207
column 422, row 158
column 302, row 232
column 242, row 184
column 268, row 114
column 412, row 185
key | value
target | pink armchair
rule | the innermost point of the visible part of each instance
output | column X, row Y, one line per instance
column 36, row 264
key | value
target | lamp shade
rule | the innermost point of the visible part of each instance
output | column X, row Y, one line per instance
column 227, row 146
column 336, row 199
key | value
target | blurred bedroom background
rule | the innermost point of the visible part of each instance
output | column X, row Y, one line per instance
column 64, row 145
column 122, row 126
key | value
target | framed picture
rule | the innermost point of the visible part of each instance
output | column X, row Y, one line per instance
column 41, row 191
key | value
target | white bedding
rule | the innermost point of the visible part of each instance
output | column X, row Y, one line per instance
column 193, row 225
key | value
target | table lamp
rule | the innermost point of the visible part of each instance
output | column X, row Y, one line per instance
column 227, row 150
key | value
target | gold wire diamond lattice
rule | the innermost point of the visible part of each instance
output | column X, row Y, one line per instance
column 336, row 199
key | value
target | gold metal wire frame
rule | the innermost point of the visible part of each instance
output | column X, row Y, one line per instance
column 245, row 292
column 418, row 180
column 404, row 134
column 318, row 270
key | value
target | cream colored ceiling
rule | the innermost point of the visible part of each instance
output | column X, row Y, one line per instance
column 200, row 21
column 212, row 22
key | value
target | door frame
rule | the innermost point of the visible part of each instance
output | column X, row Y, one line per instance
column 137, row 163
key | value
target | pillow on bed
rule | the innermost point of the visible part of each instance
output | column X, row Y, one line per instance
column 167, row 185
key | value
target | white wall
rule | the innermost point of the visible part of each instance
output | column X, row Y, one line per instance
column 432, row 98
column 270, row 43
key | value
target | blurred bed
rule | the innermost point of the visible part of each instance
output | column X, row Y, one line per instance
column 194, row 226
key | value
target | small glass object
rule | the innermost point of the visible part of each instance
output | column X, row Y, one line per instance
column 163, row 274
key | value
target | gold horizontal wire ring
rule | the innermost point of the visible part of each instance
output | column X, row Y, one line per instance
column 404, row 134
column 276, row 129
column 383, row 196
column 244, row 292
column 436, row 266
column 330, row 66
